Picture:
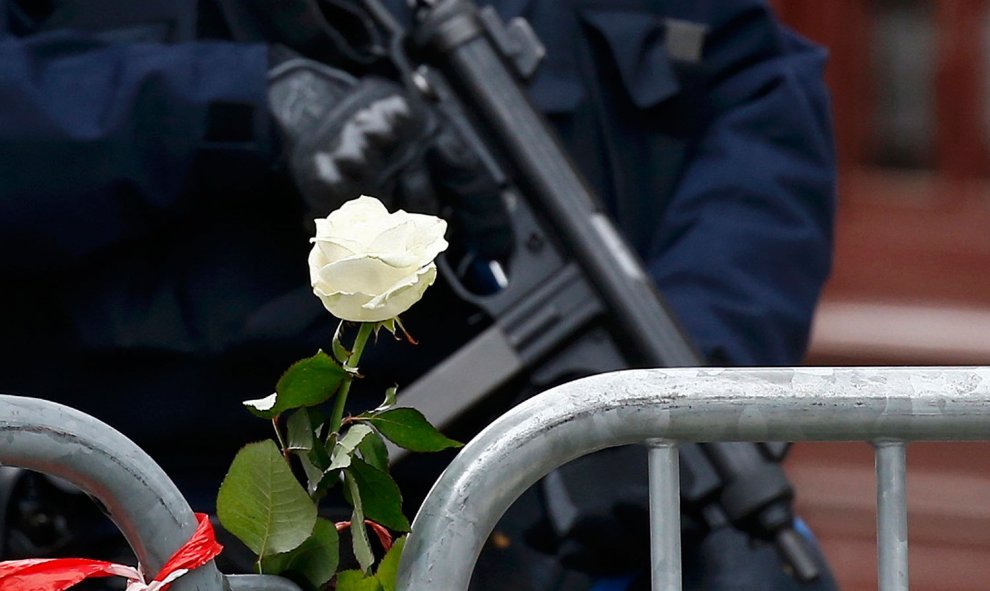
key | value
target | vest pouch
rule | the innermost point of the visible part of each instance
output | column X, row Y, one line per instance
column 635, row 41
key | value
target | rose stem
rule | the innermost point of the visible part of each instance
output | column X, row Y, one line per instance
column 352, row 362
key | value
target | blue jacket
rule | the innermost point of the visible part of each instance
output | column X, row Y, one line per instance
column 148, row 246
column 716, row 162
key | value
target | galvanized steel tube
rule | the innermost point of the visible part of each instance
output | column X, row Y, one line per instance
column 892, row 528
column 571, row 420
column 138, row 496
column 665, row 515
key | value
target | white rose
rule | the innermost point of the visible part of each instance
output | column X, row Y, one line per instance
column 369, row 265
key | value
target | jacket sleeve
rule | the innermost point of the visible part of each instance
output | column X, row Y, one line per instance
column 98, row 140
column 746, row 241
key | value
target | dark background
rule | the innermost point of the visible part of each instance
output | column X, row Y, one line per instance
column 911, row 283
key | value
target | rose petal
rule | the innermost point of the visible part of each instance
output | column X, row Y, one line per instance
column 362, row 275
column 316, row 262
column 353, row 218
column 336, row 249
column 390, row 245
column 403, row 295
column 370, row 265
column 346, row 306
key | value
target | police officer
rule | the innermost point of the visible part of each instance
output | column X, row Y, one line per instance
column 151, row 173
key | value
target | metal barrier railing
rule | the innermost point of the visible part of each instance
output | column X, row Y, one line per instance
column 137, row 495
column 886, row 406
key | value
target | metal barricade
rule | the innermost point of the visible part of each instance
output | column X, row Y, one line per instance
column 137, row 495
column 886, row 406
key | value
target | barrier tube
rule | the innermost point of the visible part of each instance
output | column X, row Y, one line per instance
column 630, row 406
column 138, row 496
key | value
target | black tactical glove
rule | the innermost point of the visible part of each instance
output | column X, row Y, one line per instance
column 344, row 136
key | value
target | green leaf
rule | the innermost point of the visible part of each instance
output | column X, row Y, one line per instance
column 303, row 441
column 316, row 418
column 314, row 474
column 383, row 580
column 408, row 428
column 300, row 432
column 381, row 500
column 340, row 352
column 388, row 568
column 261, row 502
column 373, row 451
column 355, row 580
column 359, row 533
column 314, row 562
column 328, row 481
column 307, row 382
column 352, row 438
column 343, row 451
column 388, row 325
column 389, row 398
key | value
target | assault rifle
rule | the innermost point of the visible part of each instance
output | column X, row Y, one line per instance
column 575, row 299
